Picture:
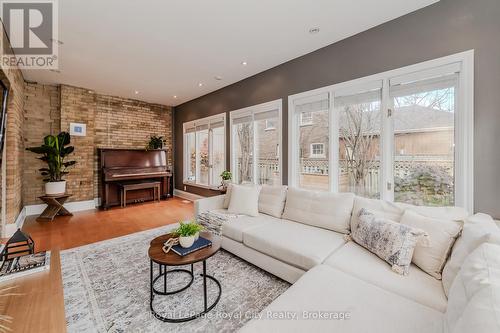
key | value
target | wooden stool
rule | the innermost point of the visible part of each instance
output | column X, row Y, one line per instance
column 54, row 206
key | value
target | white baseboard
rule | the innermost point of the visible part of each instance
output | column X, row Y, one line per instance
column 187, row 195
column 74, row 206
column 11, row 228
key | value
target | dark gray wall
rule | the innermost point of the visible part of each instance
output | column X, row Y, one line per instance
column 447, row 27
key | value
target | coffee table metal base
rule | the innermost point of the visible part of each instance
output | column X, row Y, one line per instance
column 163, row 272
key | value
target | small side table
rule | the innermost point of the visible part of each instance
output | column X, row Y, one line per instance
column 54, row 206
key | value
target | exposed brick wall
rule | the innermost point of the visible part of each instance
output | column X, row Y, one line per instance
column 42, row 116
column 112, row 122
column 78, row 105
column 126, row 123
column 13, row 79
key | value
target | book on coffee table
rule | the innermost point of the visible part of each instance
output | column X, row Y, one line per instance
column 24, row 265
column 199, row 244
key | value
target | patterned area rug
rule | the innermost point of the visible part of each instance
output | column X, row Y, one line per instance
column 106, row 289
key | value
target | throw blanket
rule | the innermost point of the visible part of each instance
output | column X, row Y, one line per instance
column 213, row 221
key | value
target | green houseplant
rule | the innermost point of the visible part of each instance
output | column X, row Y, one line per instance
column 226, row 178
column 188, row 232
column 156, row 142
column 54, row 151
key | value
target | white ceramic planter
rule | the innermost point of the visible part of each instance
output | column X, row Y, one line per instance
column 54, row 188
column 186, row 241
column 196, row 236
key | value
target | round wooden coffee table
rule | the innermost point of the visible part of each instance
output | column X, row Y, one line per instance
column 163, row 260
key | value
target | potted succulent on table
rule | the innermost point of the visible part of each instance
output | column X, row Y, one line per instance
column 54, row 151
column 188, row 233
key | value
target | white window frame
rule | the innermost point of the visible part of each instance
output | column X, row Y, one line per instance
column 185, row 148
column 251, row 111
column 311, row 150
column 464, row 126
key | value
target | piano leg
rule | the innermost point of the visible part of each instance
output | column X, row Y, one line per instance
column 106, row 199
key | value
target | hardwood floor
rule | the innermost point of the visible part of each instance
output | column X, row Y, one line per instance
column 38, row 304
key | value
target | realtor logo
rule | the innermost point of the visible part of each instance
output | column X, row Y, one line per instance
column 32, row 30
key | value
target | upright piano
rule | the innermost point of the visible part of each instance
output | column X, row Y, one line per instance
column 120, row 166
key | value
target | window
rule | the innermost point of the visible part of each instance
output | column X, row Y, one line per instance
column 204, row 151
column 255, row 142
column 312, row 170
column 424, row 140
column 317, row 150
column 306, row 118
column 403, row 135
column 359, row 128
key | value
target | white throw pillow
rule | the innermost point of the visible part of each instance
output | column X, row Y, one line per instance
column 320, row 209
column 381, row 208
column 480, row 271
column 478, row 229
column 244, row 200
column 272, row 200
column 442, row 235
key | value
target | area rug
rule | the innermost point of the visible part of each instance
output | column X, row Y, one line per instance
column 106, row 289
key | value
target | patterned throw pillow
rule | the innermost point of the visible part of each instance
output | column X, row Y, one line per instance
column 391, row 241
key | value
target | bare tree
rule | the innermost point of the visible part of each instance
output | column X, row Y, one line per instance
column 244, row 132
column 357, row 134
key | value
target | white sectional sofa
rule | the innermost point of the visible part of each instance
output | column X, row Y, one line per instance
column 305, row 244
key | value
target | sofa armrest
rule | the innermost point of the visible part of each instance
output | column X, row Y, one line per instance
column 210, row 203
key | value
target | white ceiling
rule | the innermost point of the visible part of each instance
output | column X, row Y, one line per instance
column 163, row 48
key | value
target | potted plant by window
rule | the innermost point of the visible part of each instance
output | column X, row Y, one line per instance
column 54, row 150
column 188, row 232
column 226, row 178
column 156, row 142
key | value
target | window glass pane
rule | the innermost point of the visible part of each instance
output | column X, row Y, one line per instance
column 243, row 152
column 190, row 139
column 359, row 143
column 313, row 170
column 424, row 115
column 218, row 160
column 202, row 168
column 267, row 152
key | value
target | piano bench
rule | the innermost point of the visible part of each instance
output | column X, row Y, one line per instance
column 141, row 185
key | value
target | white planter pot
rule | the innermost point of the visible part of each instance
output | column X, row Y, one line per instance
column 54, row 188
column 196, row 236
column 186, row 242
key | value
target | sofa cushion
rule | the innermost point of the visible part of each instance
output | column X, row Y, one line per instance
column 235, row 226
column 335, row 294
column 321, row 209
column 482, row 314
column 272, row 200
column 443, row 213
column 380, row 208
column 480, row 270
column 442, row 233
column 478, row 229
column 417, row 285
column 296, row 244
column 244, row 200
column 391, row 241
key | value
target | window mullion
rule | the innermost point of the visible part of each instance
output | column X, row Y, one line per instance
column 254, row 155
column 387, row 145
column 333, row 167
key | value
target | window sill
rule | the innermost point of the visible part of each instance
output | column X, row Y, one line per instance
column 207, row 187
